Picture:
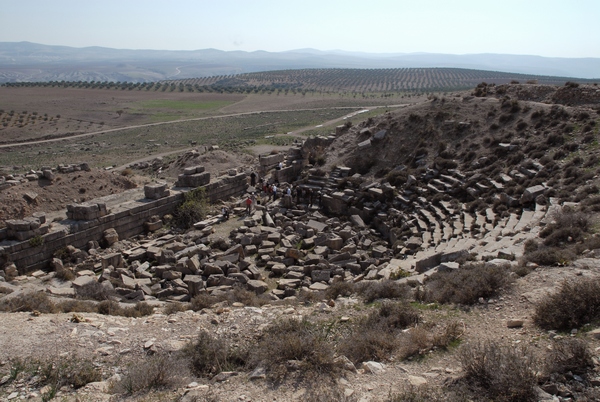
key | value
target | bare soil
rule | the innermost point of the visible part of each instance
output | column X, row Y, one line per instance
column 66, row 189
column 114, row 341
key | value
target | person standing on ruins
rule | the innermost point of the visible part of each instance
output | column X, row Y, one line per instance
column 253, row 179
column 248, row 205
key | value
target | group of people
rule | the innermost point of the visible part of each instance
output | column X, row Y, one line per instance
column 273, row 191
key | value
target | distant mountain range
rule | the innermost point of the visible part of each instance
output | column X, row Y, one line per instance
column 31, row 62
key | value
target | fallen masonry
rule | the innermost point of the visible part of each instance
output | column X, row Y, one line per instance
column 31, row 243
column 335, row 228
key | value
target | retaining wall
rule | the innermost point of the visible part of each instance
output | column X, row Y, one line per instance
column 127, row 219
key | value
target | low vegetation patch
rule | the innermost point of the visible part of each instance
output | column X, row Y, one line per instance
column 466, row 285
column 500, row 372
column 193, row 209
column 153, row 372
column 53, row 372
column 39, row 302
column 385, row 289
column 569, row 355
column 294, row 345
column 209, row 355
column 577, row 302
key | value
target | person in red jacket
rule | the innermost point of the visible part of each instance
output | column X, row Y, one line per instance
column 248, row 205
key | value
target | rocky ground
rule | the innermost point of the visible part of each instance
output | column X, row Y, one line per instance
column 387, row 207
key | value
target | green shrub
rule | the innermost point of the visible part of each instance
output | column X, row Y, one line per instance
column 36, row 241
column 576, row 303
column 193, row 209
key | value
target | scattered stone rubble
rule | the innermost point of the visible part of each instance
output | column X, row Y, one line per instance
column 348, row 229
column 45, row 172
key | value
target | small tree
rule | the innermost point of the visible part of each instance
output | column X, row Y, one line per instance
column 193, row 209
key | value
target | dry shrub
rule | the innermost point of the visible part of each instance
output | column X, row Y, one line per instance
column 209, row 355
column 448, row 335
column 73, row 371
column 77, row 306
column 246, row 297
column 96, row 291
column 65, row 274
column 569, row 355
column 343, row 288
column 501, row 372
column 385, row 289
column 397, row 177
column 550, row 256
column 568, row 226
column 109, row 307
column 203, row 300
column 308, row 297
column 292, row 340
column 367, row 343
column 393, row 316
column 375, row 337
column 576, row 303
column 173, row 308
column 33, row 301
column 466, row 285
column 327, row 391
column 151, row 373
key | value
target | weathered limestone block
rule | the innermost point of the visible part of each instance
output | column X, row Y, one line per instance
column 531, row 193
column 156, row 191
column 86, row 211
column 193, row 177
column 195, row 284
column 257, row 286
column 115, row 259
column 111, row 236
column 318, row 275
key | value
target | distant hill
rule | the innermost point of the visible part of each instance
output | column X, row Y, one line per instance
column 31, row 62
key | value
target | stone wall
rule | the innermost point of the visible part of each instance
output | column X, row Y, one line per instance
column 127, row 219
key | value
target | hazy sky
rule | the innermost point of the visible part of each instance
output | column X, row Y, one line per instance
column 557, row 28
